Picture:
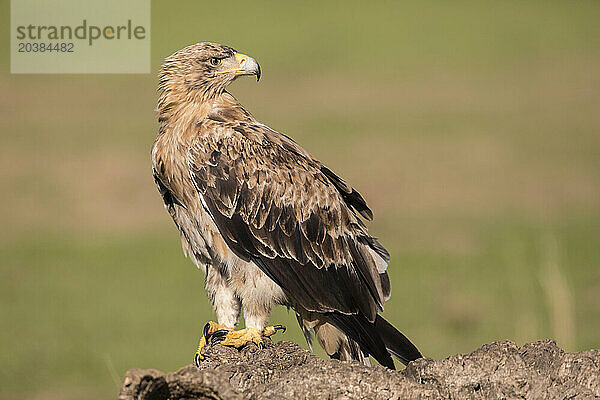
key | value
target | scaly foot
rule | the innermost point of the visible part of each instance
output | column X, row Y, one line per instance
column 242, row 337
column 215, row 333
column 209, row 330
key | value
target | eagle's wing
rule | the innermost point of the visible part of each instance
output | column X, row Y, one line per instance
column 277, row 206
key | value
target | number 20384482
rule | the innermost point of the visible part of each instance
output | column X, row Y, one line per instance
column 26, row 47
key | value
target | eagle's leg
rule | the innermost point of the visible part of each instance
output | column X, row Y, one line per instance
column 238, row 284
column 226, row 305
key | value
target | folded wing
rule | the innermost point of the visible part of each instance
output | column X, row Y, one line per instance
column 277, row 206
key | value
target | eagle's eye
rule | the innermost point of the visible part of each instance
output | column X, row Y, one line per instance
column 215, row 61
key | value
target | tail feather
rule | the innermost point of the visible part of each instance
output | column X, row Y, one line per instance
column 395, row 342
column 354, row 337
column 359, row 329
column 379, row 339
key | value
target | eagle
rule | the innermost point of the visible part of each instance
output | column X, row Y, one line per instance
column 267, row 223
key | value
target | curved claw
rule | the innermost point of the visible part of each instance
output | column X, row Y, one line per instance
column 208, row 337
column 218, row 336
column 205, row 330
column 221, row 332
column 271, row 330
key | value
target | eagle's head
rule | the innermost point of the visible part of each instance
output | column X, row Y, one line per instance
column 203, row 70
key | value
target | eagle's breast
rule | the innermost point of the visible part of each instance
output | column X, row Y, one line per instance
column 200, row 238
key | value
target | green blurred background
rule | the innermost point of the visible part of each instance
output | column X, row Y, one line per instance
column 472, row 129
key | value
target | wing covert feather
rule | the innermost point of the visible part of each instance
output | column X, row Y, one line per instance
column 277, row 206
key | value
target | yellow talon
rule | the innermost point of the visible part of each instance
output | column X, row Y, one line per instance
column 244, row 336
column 240, row 338
column 209, row 330
column 271, row 330
column 215, row 333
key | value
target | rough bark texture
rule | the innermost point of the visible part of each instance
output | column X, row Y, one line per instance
column 501, row 370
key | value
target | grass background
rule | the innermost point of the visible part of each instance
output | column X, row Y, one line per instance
column 472, row 129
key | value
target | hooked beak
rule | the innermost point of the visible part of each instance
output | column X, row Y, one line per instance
column 246, row 66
